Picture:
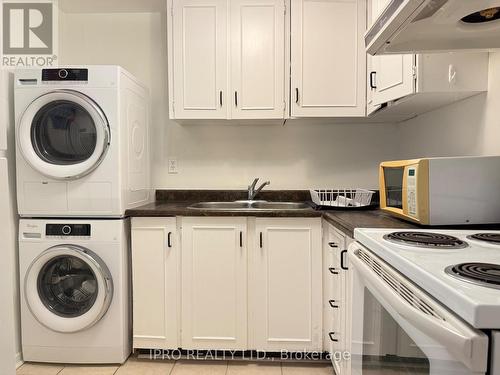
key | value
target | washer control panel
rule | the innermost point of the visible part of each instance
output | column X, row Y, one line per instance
column 65, row 74
column 66, row 230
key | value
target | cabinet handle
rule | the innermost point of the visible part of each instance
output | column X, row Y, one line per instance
column 241, row 239
column 297, row 95
column 332, row 270
column 169, row 239
column 332, row 304
column 260, row 238
column 331, row 334
column 333, row 244
column 236, row 98
column 220, row 98
column 342, row 260
column 372, row 80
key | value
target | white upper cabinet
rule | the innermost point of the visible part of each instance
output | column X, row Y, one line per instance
column 199, row 58
column 227, row 59
column 390, row 77
column 257, row 58
column 414, row 84
column 328, row 59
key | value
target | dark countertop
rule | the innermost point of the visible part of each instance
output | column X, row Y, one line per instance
column 176, row 202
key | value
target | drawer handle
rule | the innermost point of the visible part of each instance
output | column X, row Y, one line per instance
column 331, row 334
column 373, row 85
column 333, row 271
column 342, row 260
column 169, row 239
column 332, row 304
column 333, row 244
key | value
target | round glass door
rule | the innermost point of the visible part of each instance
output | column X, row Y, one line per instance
column 63, row 134
column 68, row 288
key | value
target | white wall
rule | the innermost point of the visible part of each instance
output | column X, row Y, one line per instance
column 298, row 155
column 469, row 127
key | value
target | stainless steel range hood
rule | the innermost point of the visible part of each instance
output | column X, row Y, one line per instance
column 407, row 26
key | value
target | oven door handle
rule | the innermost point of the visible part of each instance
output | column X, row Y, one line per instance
column 469, row 346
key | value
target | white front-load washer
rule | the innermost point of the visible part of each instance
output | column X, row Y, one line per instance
column 82, row 142
column 75, row 290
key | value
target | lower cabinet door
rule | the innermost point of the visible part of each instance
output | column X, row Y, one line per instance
column 285, row 284
column 214, row 283
column 155, row 279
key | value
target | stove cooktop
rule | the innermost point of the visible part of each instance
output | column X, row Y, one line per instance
column 429, row 240
column 459, row 268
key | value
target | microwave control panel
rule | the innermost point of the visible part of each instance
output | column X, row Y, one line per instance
column 411, row 191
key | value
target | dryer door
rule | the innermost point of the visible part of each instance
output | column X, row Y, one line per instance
column 68, row 288
column 63, row 134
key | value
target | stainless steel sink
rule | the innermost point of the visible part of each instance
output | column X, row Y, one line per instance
column 249, row 206
column 280, row 206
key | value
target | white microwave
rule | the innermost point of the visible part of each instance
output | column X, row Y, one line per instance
column 442, row 191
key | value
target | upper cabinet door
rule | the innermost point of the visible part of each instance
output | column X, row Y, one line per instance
column 257, row 59
column 392, row 77
column 328, row 58
column 200, row 59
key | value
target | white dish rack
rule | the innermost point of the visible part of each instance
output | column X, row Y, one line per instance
column 342, row 198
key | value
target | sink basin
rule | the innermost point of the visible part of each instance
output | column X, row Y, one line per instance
column 280, row 206
column 249, row 206
column 224, row 206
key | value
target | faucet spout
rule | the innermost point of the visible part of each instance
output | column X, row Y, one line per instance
column 252, row 191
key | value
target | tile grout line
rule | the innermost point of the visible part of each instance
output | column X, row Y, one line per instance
column 172, row 369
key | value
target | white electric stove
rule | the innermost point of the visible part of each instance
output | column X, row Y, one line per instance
column 428, row 301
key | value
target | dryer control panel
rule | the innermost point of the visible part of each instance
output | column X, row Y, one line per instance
column 62, row 74
column 64, row 230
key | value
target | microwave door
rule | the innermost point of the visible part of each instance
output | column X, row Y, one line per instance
column 396, row 328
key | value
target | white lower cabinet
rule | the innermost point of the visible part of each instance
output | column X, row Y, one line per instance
column 285, row 285
column 234, row 283
column 214, row 283
column 336, row 307
column 155, row 281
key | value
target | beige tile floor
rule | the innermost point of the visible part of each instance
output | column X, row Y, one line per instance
column 136, row 366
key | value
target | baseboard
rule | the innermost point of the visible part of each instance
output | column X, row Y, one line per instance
column 19, row 360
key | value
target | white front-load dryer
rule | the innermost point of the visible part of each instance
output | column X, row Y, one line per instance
column 75, row 290
column 82, row 142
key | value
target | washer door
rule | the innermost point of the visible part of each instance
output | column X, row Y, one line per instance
column 68, row 288
column 63, row 134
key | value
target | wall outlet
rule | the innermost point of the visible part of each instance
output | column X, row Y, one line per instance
column 172, row 166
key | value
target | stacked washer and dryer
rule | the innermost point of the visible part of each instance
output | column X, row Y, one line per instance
column 82, row 159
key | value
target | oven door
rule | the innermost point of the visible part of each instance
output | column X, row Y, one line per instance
column 397, row 328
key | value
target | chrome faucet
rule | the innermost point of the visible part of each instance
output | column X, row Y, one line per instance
column 252, row 191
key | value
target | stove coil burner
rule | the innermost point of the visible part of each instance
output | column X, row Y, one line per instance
column 492, row 238
column 483, row 274
column 426, row 240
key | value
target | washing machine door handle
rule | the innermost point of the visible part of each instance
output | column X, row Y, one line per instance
column 63, row 134
column 68, row 288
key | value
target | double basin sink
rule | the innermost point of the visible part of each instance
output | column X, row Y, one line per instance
column 250, row 206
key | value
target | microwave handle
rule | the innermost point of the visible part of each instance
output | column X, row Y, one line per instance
column 468, row 346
